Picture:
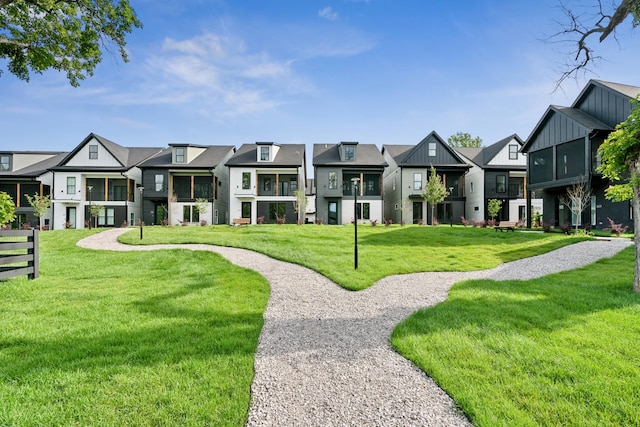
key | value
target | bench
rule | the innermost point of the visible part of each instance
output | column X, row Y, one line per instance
column 241, row 221
column 506, row 226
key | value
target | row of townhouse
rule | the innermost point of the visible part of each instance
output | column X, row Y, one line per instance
column 258, row 181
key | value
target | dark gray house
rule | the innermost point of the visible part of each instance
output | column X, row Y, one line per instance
column 336, row 166
column 178, row 176
column 407, row 174
column 563, row 149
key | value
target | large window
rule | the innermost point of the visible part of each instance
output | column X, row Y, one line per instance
column 246, row 180
column 570, row 159
column 190, row 214
column 333, row 180
column 513, row 152
column 541, row 165
column 5, row 162
column 182, row 187
column 417, row 181
column 71, row 185
column 93, row 151
column 501, row 184
column 363, row 211
column 107, row 217
column 371, row 186
column 117, row 190
column 277, row 210
column 202, row 187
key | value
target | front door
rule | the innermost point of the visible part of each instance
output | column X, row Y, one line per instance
column 333, row 213
column 246, row 209
column 417, row 212
column 159, row 217
column 71, row 217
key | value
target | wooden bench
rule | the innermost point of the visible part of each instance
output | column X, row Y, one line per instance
column 506, row 226
column 241, row 221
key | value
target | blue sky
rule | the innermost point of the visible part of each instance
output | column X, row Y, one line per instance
column 305, row 71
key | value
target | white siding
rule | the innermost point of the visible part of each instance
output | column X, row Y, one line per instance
column 104, row 157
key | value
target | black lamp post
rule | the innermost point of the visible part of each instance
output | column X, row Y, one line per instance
column 451, row 202
column 90, row 187
column 355, row 182
column 141, row 188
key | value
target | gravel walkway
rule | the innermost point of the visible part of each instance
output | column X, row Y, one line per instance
column 324, row 357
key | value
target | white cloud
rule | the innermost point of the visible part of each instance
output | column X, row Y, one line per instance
column 328, row 13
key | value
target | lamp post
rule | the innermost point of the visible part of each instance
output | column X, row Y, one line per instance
column 451, row 203
column 141, row 188
column 355, row 182
column 89, row 187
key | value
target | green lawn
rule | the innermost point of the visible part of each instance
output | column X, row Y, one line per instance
column 112, row 338
column 382, row 251
column 561, row 350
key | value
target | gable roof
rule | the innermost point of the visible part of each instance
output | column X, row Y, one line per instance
column 128, row 157
column 577, row 116
column 482, row 156
column 367, row 155
column 289, row 155
column 626, row 90
column 417, row 155
column 36, row 169
column 208, row 159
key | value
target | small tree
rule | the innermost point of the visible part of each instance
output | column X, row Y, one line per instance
column 300, row 205
column 7, row 209
column 40, row 204
column 201, row 206
column 493, row 207
column 435, row 191
column 95, row 211
column 620, row 154
column 576, row 199
column 463, row 139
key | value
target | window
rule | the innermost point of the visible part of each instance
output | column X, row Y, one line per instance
column 417, row 181
column 117, row 189
column 5, row 163
column 264, row 154
column 593, row 210
column 501, row 184
column 202, row 187
column 277, row 209
column 266, row 185
column 349, row 153
column 513, row 152
column 159, row 182
column 246, row 180
column 71, row 185
column 93, row 151
column 107, row 217
column 432, row 149
column 471, row 187
column 180, row 155
column 190, row 214
column 333, row 180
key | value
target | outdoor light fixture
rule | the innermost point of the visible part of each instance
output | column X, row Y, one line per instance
column 141, row 188
column 355, row 182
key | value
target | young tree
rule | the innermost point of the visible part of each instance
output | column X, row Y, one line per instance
column 493, row 207
column 201, row 206
column 300, row 205
column 94, row 212
column 584, row 21
column 434, row 191
column 577, row 199
column 40, row 204
column 36, row 35
column 7, row 209
column 463, row 139
column 620, row 154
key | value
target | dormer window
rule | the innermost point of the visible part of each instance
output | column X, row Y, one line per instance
column 349, row 153
column 513, row 152
column 93, row 151
column 180, row 155
column 264, row 153
column 5, row 162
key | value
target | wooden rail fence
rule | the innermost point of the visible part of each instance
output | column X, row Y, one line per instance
column 18, row 247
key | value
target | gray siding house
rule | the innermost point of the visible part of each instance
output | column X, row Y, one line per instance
column 336, row 166
column 407, row 174
column 563, row 149
column 179, row 175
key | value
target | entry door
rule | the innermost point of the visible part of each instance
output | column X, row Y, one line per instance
column 246, row 209
column 71, row 216
column 333, row 213
column 417, row 212
column 159, row 214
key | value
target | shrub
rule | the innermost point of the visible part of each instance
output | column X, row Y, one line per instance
column 26, row 226
column 491, row 223
column 260, row 220
column 374, row 222
column 434, row 221
column 388, row 222
column 403, row 222
column 616, row 229
column 281, row 219
column 566, row 228
column 203, row 222
column 464, row 220
column 124, row 224
column 421, row 222
column 319, row 221
column 66, row 224
column 164, row 222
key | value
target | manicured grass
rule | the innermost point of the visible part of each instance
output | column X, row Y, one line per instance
column 560, row 350
column 126, row 338
column 383, row 251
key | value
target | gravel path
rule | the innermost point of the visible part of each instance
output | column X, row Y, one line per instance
column 324, row 357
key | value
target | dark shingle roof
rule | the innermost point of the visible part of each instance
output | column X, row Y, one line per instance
column 210, row 158
column 38, row 168
column 289, row 155
column 367, row 155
